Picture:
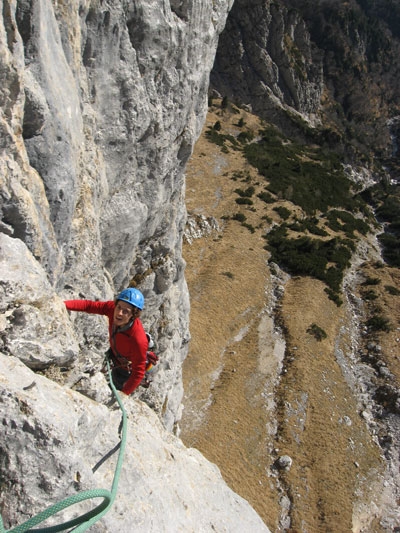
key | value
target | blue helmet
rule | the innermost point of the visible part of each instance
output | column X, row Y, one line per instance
column 132, row 296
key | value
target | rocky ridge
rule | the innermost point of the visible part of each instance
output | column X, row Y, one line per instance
column 265, row 59
column 299, row 63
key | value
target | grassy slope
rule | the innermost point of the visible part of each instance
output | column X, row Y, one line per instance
column 236, row 412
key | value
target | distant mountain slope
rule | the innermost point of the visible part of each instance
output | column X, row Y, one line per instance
column 276, row 367
column 334, row 62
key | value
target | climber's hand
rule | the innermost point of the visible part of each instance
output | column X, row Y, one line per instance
column 152, row 358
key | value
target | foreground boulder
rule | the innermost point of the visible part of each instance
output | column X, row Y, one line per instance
column 57, row 442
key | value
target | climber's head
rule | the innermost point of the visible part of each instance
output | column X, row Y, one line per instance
column 128, row 305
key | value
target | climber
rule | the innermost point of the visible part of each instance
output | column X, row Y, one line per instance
column 128, row 340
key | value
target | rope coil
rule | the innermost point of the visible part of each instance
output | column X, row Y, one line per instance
column 83, row 522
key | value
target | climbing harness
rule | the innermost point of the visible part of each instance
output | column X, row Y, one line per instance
column 83, row 522
column 122, row 363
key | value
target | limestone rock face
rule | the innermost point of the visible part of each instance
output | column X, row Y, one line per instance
column 265, row 59
column 101, row 105
column 300, row 62
column 34, row 322
column 163, row 486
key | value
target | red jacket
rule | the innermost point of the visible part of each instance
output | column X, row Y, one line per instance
column 131, row 343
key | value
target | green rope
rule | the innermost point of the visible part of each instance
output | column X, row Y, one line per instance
column 83, row 522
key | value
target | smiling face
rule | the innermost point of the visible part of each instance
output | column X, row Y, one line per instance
column 123, row 313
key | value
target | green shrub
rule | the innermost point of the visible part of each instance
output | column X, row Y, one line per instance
column 283, row 212
column 316, row 230
column 332, row 295
column 220, row 139
column 247, row 193
column 348, row 223
column 267, row 219
column 240, row 217
column 245, row 137
column 385, row 200
column 339, row 253
column 378, row 323
column 244, row 201
column 308, row 224
column 394, row 291
column 311, row 178
column 317, row 332
column 391, row 248
column 335, row 225
column 242, row 175
column 310, row 257
column 266, row 197
column 371, row 281
column 215, row 137
column 389, row 210
column 369, row 295
column 250, row 227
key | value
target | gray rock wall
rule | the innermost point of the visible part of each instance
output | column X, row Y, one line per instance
column 101, row 105
column 51, row 453
column 265, row 58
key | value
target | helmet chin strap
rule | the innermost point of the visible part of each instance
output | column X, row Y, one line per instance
column 127, row 326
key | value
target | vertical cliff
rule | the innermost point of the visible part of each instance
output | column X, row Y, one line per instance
column 334, row 63
column 266, row 59
column 101, row 104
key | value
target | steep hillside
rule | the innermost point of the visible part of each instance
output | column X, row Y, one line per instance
column 336, row 62
column 280, row 367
